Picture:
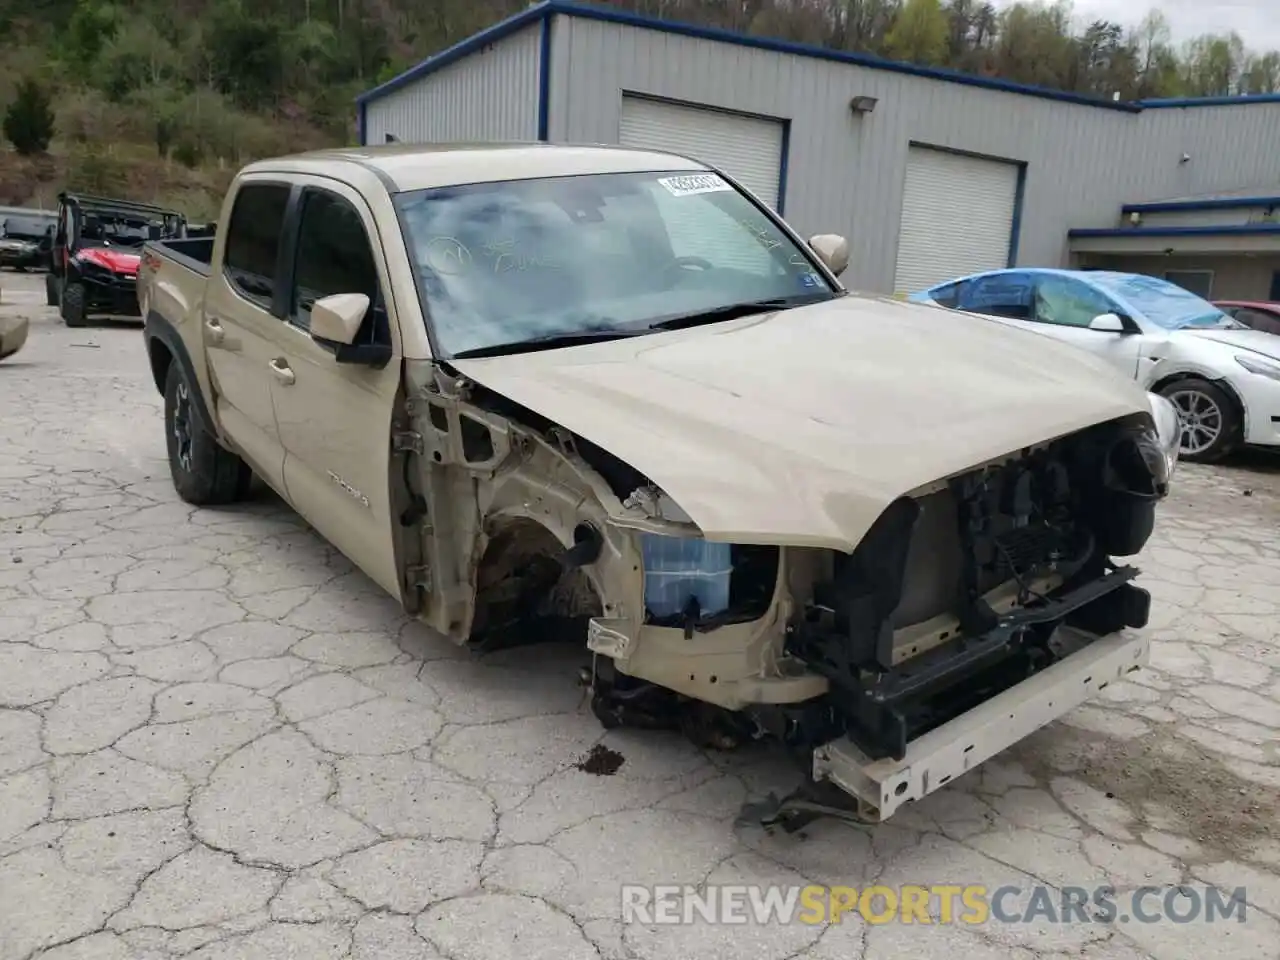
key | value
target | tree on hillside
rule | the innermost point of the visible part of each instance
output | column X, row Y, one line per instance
column 28, row 123
column 920, row 33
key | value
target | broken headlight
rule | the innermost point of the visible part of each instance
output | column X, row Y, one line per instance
column 1168, row 430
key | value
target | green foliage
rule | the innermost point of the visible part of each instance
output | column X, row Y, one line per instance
column 29, row 121
column 193, row 88
column 91, row 169
column 920, row 33
column 93, row 24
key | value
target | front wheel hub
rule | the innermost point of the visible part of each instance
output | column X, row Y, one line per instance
column 1200, row 419
column 182, row 426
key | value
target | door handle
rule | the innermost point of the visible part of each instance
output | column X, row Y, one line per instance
column 214, row 329
column 280, row 367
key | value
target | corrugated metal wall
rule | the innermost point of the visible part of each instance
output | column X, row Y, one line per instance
column 845, row 173
column 489, row 95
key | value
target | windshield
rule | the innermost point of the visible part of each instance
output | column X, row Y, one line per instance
column 1165, row 304
column 116, row 231
column 509, row 262
column 23, row 228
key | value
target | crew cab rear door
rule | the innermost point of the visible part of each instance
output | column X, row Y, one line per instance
column 335, row 418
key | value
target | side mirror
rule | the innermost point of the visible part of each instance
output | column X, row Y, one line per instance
column 833, row 250
column 1108, row 323
column 336, row 319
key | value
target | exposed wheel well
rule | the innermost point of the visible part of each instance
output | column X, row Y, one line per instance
column 161, row 358
column 524, row 584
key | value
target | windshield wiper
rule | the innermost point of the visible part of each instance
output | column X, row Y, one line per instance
column 548, row 341
column 733, row 311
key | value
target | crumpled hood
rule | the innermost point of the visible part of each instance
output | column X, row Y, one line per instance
column 801, row 427
column 117, row 261
column 1256, row 341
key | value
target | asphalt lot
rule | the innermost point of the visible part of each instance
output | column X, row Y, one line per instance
column 217, row 740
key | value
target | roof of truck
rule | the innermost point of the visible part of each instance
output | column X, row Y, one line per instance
column 403, row 167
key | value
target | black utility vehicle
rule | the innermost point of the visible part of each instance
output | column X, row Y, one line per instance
column 25, row 240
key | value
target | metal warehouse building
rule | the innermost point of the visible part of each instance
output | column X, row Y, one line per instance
column 929, row 173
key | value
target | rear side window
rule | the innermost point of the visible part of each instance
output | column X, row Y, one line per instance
column 253, row 240
column 947, row 295
column 999, row 295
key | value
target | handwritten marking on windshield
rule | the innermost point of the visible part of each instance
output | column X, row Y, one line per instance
column 506, row 257
column 448, row 256
column 761, row 234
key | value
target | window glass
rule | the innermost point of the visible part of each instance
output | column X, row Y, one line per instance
column 1067, row 302
column 1165, row 304
column 502, row 263
column 947, row 295
column 1259, row 320
column 1199, row 282
column 253, row 240
column 334, row 256
column 998, row 295
column 23, row 228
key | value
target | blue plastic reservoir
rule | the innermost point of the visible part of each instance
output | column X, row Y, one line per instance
column 677, row 568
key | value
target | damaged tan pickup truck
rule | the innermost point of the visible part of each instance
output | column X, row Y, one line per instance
column 532, row 390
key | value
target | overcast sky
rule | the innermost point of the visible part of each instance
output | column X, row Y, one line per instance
column 1257, row 21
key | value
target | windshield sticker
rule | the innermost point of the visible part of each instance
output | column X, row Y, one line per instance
column 810, row 279
column 692, row 184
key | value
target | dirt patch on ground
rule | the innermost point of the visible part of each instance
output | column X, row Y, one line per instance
column 601, row 761
column 1216, row 807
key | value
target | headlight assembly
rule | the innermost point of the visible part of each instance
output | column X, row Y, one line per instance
column 1259, row 365
column 1168, row 428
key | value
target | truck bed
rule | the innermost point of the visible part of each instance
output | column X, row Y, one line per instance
column 193, row 253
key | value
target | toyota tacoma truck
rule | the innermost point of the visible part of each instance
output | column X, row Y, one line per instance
column 556, row 393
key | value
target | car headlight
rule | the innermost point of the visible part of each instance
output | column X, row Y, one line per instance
column 1168, row 427
column 1263, row 368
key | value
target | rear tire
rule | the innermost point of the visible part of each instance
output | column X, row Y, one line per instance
column 50, row 289
column 1211, row 423
column 73, row 306
column 204, row 472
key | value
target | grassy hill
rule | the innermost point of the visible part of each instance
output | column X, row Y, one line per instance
column 162, row 100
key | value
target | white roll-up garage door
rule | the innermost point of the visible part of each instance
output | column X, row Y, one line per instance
column 957, row 217
column 747, row 148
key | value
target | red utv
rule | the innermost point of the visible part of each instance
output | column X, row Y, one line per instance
column 97, row 245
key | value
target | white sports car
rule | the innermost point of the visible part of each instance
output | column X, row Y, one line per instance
column 1223, row 378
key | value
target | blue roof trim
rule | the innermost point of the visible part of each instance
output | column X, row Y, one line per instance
column 1218, row 203
column 1237, row 101
column 1237, row 230
column 575, row 8
column 458, row 51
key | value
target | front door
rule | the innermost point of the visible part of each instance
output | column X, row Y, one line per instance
column 1064, row 306
column 335, row 418
column 1055, row 305
column 240, row 329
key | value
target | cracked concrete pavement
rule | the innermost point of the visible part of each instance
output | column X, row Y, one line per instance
column 217, row 740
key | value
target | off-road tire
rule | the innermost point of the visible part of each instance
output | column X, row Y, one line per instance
column 50, row 289
column 209, row 474
column 72, row 305
column 1229, row 436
